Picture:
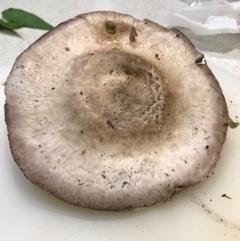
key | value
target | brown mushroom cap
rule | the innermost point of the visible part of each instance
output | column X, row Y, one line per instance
column 110, row 121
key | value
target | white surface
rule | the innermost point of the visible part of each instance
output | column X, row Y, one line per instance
column 27, row 213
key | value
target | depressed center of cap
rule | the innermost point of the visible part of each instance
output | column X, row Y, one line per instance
column 120, row 91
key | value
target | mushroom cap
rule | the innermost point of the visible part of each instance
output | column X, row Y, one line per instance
column 109, row 121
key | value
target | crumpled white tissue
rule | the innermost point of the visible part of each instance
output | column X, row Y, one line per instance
column 212, row 17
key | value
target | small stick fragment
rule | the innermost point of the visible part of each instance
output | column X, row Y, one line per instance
column 225, row 195
column 133, row 34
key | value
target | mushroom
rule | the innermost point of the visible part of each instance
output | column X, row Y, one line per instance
column 112, row 113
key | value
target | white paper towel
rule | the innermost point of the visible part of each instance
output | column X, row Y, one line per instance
column 211, row 17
